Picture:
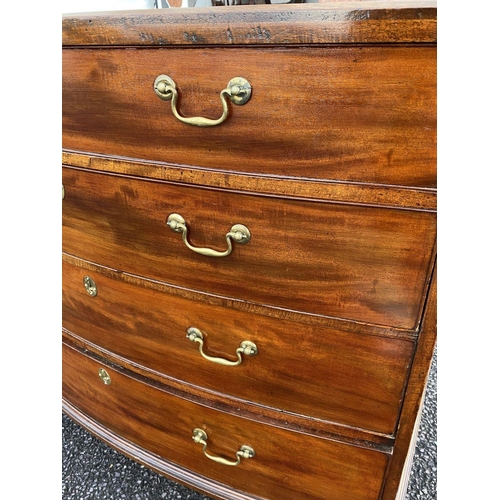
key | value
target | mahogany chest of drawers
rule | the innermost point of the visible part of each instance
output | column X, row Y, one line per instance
column 249, row 242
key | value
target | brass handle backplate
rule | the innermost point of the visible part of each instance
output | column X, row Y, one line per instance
column 238, row 91
column 246, row 347
column 245, row 451
column 239, row 233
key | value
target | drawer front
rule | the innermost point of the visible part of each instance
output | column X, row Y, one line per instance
column 352, row 379
column 359, row 263
column 364, row 114
column 286, row 464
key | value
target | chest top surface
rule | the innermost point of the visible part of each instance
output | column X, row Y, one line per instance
column 337, row 22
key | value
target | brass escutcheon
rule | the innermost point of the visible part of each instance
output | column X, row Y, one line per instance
column 90, row 286
column 104, row 376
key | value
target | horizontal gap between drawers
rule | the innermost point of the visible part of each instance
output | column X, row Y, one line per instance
column 343, row 192
column 240, row 408
column 242, row 305
column 269, row 46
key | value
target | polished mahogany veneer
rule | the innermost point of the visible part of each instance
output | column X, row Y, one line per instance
column 363, row 376
column 363, row 114
column 163, row 424
column 361, row 263
column 249, row 306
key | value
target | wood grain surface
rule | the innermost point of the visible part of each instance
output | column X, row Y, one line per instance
column 338, row 22
column 422, row 199
column 331, row 165
column 354, row 380
column 287, row 464
column 359, row 114
column 415, row 392
column 364, row 264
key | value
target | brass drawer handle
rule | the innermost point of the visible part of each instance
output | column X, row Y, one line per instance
column 245, row 451
column 239, row 233
column 246, row 347
column 238, row 91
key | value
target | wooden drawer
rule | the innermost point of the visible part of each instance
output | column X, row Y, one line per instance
column 364, row 114
column 352, row 379
column 286, row 464
column 359, row 263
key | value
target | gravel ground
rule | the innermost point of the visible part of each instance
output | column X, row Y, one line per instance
column 91, row 470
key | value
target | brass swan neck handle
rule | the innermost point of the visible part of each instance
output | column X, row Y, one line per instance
column 245, row 451
column 246, row 347
column 238, row 91
column 238, row 233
